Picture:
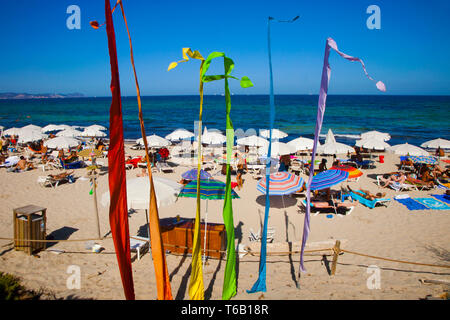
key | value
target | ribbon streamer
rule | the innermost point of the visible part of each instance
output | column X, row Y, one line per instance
column 326, row 72
column 229, row 282
column 196, row 285
column 260, row 284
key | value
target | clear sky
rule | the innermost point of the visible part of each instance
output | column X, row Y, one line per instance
column 39, row 54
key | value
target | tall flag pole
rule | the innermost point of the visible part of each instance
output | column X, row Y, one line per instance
column 326, row 71
column 196, row 286
column 229, row 281
column 260, row 284
column 159, row 258
column 118, row 210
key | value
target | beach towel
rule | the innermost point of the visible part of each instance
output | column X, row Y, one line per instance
column 432, row 203
column 411, row 204
column 442, row 197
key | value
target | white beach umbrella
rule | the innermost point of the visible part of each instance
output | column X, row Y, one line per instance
column 30, row 135
column 376, row 135
column 436, row 143
column 92, row 132
column 61, row 143
column 278, row 149
column 334, row 148
column 96, row 127
column 408, row 149
column 213, row 136
column 138, row 192
column 69, row 133
column 252, row 141
column 50, row 127
column 372, row 144
column 330, row 137
column 179, row 134
column 11, row 132
column 276, row 134
column 154, row 141
column 302, row 144
column 31, row 127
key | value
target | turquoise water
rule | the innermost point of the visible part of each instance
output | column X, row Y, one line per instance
column 412, row 119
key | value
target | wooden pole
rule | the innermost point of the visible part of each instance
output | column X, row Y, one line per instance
column 336, row 251
column 94, row 188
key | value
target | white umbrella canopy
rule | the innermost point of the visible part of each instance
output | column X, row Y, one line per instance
column 302, row 144
column 408, row 149
column 276, row 134
column 31, row 127
column 436, row 143
column 138, row 192
column 11, row 131
column 330, row 137
column 252, row 141
column 92, row 132
column 69, row 133
column 179, row 134
column 372, row 144
column 50, row 127
column 61, row 143
column 154, row 141
column 96, row 127
column 334, row 148
column 278, row 149
column 213, row 136
column 376, row 135
column 30, row 135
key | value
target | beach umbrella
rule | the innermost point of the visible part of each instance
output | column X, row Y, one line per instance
column 327, row 179
column 213, row 136
column 330, row 137
column 154, row 141
column 192, row 174
column 69, row 133
column 376, row 135
column 424, row 160
column 408, row 150
column 276, row 134
column 179, row 134
column 31, row 127
column 90, row 152
column 138, row 192
column 372, row 144
column 253, row 141
column 280, row 183
column 30, row 135
column 278, row 149
column 61, row 143
column 352, row 171
column 209, row 190
column 50, row 127
column 302, row 144
column 92, row 132
column 96, row 127
column 11, row 132
column 436, row 143
column 334, row 148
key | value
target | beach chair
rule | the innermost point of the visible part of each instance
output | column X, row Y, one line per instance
column 72, row 165
column 343, row 208
column 369, row 203
column 417, row 184
column 364, row 163
column 139, row 244
column 163, row 167
column 53, row 181
column 257, row 236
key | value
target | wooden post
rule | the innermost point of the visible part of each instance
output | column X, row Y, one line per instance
column 336, row 251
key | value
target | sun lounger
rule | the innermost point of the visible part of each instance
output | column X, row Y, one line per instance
column 258, row 237
column 343, row 208
column 139, row 244
column 54, row 181
column 369, row 203
column 418, row 184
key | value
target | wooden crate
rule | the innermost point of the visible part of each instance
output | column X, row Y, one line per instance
column 178, row 237
column 29, row 224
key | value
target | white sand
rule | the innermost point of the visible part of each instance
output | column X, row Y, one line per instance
column 393, row 232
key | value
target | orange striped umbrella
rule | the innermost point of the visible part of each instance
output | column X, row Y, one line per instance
column 352, row 171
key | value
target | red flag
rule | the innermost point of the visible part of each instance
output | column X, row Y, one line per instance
column 118, row 210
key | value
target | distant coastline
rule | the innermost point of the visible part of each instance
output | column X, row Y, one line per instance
column 13, row 95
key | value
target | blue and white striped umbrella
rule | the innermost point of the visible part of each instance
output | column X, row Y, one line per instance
column 423, row 159
column 328, row 178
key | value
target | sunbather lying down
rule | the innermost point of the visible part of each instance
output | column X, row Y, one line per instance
column 367, row 195
column 61, row 175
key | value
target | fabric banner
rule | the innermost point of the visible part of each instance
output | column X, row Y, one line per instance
column 118, row 210
column 229, row 282
column 326, row 71
column 196, row 285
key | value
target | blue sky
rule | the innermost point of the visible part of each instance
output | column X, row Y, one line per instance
column 409, row 53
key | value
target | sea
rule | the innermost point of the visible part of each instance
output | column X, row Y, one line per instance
column 411, row 119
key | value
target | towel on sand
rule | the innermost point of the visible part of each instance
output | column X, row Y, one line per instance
column 442, row 197
column 432, row 203
column 411, row 204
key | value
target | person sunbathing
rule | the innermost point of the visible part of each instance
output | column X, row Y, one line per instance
column 72, row 157
column 62, row 175
column 367, row 195
column 23, row 165
column 427, row 177
column 393, row 178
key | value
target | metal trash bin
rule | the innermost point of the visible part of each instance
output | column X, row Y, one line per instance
column 29, row 224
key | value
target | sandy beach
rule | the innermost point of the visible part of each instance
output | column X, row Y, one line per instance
column 393, row 232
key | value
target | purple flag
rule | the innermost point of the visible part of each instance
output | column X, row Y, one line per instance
column 326, row 71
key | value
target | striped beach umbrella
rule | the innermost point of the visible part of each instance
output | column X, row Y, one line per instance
column 423, row 159
column 352, row 171
column 280, row 183
column 328, row 178
column 192, row 175
column 209, row 190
